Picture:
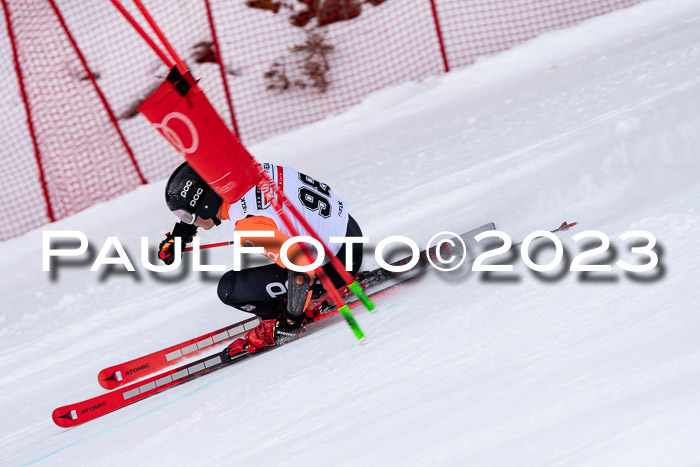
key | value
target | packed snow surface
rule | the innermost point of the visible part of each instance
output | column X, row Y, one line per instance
column 597, row 124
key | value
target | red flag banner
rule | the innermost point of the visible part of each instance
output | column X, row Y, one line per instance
column 180, row 110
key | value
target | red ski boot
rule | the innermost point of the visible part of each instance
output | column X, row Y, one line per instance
column 266, row 334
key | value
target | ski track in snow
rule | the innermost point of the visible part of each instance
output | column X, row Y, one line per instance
column 596, row 124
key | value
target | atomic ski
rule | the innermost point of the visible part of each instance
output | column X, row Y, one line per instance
column 125, row 373
column 81, row 412
column 128, row 372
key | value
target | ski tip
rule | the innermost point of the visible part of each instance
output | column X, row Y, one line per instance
column 566, row 226
column 64, row 417
column 362, row 341
column 109, row 379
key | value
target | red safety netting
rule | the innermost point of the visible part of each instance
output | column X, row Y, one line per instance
column 476, row 28
column 286, row 63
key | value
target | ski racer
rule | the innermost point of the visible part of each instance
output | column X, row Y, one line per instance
column 280, row 297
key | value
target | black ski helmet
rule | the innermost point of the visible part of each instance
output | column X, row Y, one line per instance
column 187, row 191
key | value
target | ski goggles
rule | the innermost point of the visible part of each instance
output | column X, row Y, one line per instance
column 184, row 216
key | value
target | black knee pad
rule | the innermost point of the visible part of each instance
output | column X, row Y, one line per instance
column 246, row 298
column 299, row 284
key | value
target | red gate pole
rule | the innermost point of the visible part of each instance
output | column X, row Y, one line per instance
column 325, row 280
column 263, row 181
column 438, row 31
column 350, row 281
column 169, row 62
column 27, row 108
column 217, row 54
column 164, row 40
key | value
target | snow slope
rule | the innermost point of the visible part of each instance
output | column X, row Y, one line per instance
column 597, row 124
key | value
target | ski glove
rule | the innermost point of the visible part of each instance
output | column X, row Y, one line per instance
column 166, row 249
